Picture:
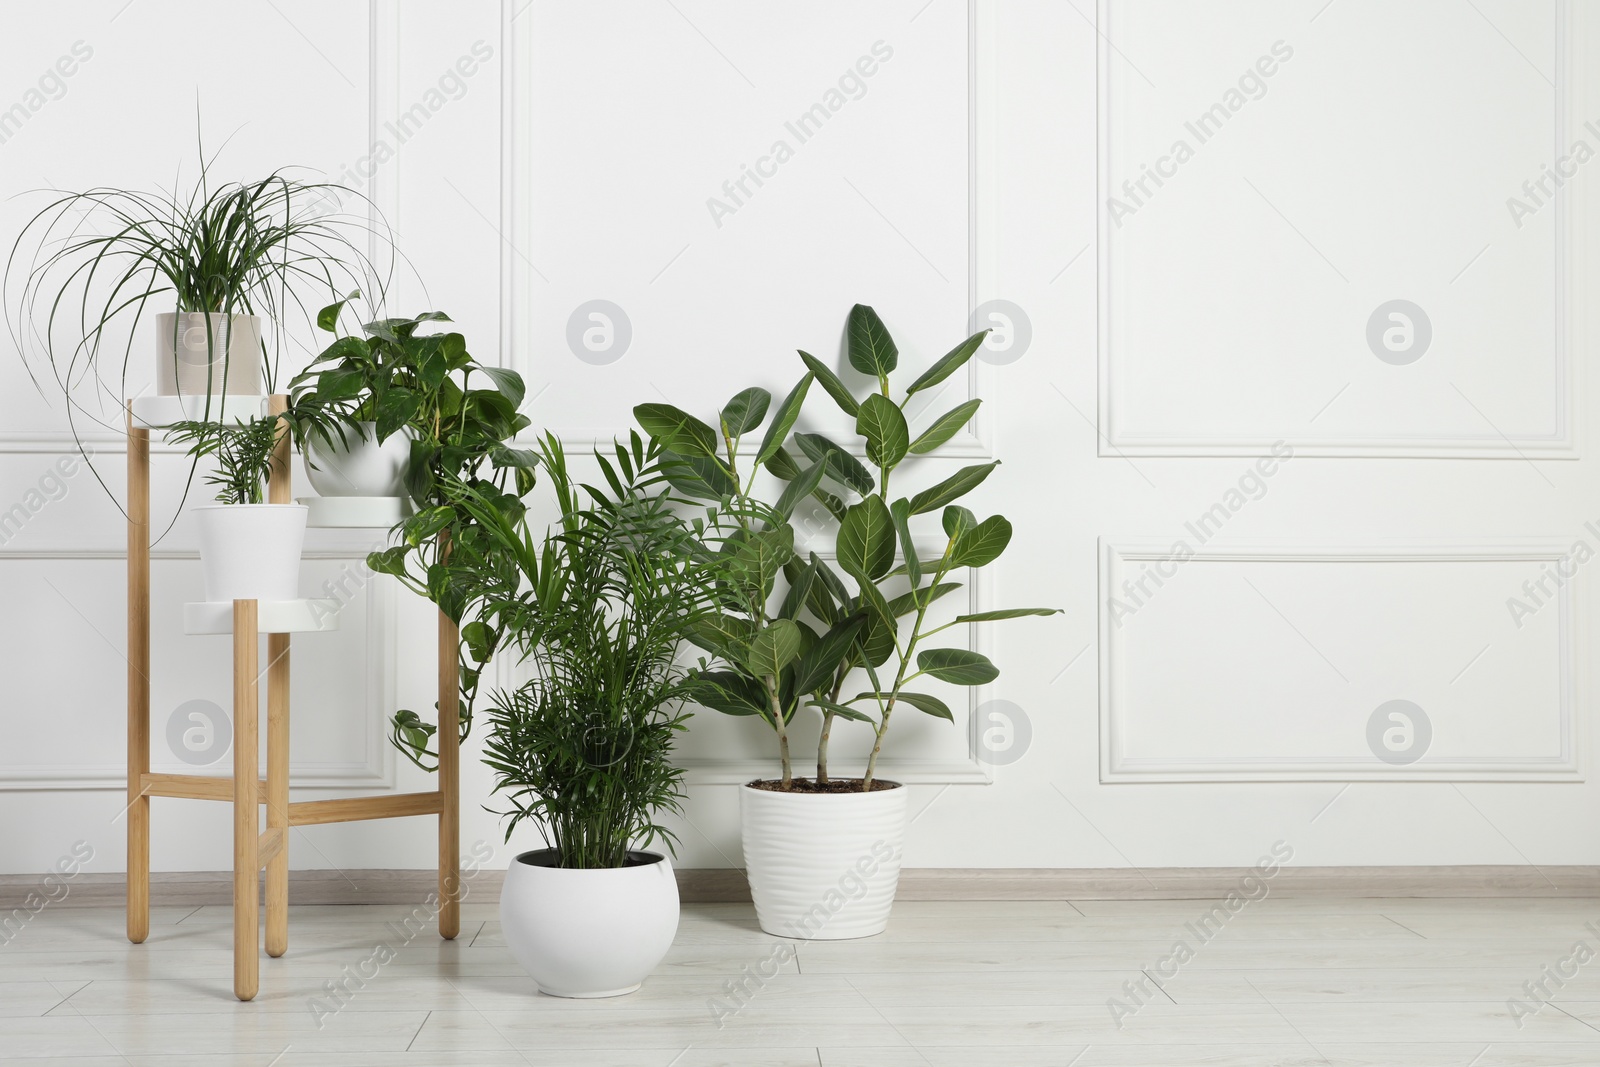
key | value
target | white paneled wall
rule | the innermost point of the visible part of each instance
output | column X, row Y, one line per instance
column 1266, row 514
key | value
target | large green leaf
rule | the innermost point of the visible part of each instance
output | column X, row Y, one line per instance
column 830, row 382
column 745, row 411
column 722, row 635
column 842, row 466
column 872, row 350
column 754, row 559
column 1006, row 613
column 732, row 694
column 677, row 430
column 952, row 488
column 958, row 520
column 800, row 579
column 509, row 382
column 699, row 477
column 774, row 648
column 945, row 427
column 958, row 666
column 900, row 511
column 783, row 421
column 817, row 667
column 803, row 485
column 906, row 603
column 884, row 427
column 866, row 540
column 878, row 639
column 982, row 544
column 930, row 705
column 949, row 363
column 842, row 711
column 781, row 464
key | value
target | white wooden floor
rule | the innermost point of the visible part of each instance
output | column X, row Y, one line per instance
column 1397, row 983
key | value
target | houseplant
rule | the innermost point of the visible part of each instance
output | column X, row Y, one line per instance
column 459, row 418
column 783, row 650
column 226, row 268
column 249, row 549
column 581, row 750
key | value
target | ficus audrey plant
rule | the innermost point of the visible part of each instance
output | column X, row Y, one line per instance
column 780, row 649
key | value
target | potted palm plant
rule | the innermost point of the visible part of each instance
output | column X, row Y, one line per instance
column 823, row 853
column 598, row 611
column 249, row 549
column 222, row 267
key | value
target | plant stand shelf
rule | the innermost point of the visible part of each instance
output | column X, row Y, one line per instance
column 253, row 846
column 352, row 512
column 156, row 412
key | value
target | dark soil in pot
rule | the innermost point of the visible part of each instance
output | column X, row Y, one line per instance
column 810, row 785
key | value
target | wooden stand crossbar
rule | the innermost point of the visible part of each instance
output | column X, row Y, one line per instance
column 253, row 847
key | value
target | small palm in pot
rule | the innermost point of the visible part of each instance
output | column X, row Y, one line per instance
column 598, row 610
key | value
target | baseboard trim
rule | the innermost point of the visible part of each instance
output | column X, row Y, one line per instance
column 721, row 885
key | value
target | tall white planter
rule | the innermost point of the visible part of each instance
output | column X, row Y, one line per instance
column 359, row 466
column 190, row 355
column 823, row 866
column 251, row 551
column 588, row 933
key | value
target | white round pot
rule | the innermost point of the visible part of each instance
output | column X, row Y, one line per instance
column 207, row 353
column 823, row 866
column 359, row 465
column 251, row 551
column 589, row 933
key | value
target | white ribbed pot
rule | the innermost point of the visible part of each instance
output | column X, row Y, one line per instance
column 359, row 465
column 823, row 866
column 191, row 357
column 251, row 551
column 589, row 933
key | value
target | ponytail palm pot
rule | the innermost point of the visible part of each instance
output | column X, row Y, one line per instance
column 222, row 271
column 582, row 749
column 848, row 641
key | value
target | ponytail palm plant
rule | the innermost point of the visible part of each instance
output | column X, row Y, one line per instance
column 91, row 266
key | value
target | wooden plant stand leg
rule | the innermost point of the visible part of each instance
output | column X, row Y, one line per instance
column 246, row 817
column 449, row 778
column 278, row 488
column 138, row 811
column 278, row 792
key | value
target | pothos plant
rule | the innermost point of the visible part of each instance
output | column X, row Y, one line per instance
column 777, row 651
column 462, row 417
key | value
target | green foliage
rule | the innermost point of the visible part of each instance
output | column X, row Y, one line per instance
column 598, row 610
column 90, row 266
column 242, row 452
column 462, row 418
column 772, row 660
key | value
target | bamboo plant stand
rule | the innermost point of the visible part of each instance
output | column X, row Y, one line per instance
column 253, row 847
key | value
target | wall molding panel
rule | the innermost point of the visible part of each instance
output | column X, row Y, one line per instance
column 1316, row 639
column 376, row 766
column 1467, row 397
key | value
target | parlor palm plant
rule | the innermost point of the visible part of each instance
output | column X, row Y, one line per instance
column 598, row 610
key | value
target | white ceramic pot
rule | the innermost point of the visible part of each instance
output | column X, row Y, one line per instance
column 589, row 933
column 251, row 551
column 191, row 357
column 823, row 866
column 359, row 466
